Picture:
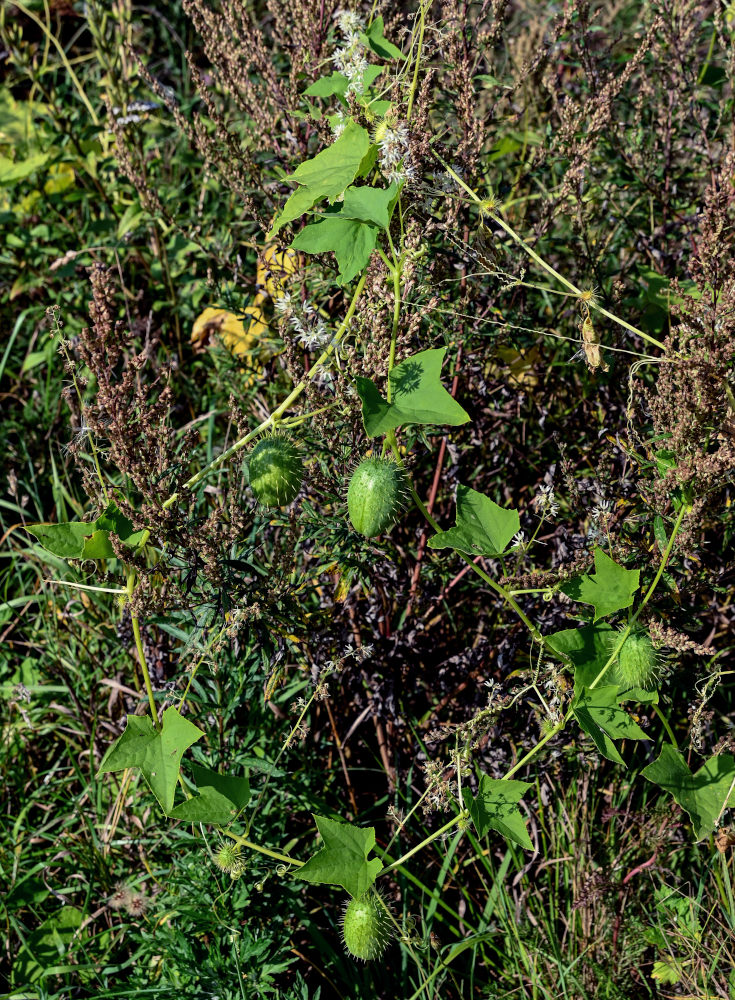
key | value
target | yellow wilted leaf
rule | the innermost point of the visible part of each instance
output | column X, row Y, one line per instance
column 516, row 368
column 60, row 177
column 343, row 589
column 591, row 345
column 276, row 269
column 230, row 329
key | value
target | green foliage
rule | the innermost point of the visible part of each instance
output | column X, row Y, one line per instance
column 47, row 945
column 610, row 588
column 377, row 41
column 344, row 858
column 495, row 807
column 87, row 539
column 351, row 241
column 157, row 753
column 482, row 527
column 704, row 795
column 219, row 798
column 337, row 676
column 590, row 648
column 417, row 396
column 599, row 715
column 326, row 175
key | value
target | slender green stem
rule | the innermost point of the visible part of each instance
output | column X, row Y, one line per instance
column 486, row 210
column 303, row 417
column 401, row 826
column 667, row 727
column 664, row 560
column 542, row 742
column 251, row 846
column 396, row 318
column 417, row 64
column 462, row 815
column 141, row 654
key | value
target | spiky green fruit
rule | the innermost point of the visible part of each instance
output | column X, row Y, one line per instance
column 375, row 496
column 227, row 857
column 276, row 471
column 366, row 926
column 637, row 664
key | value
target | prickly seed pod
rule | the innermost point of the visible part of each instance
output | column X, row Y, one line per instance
column 227, row 857
column 638, row 664
column 237, row 870
column 276, row 470
column 376, row 495
column 366, row 926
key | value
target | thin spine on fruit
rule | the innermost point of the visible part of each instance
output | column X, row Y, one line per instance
column 276, row 470
column 638, row 664
column 366, row 926
column 376, row 495
column 227, row 857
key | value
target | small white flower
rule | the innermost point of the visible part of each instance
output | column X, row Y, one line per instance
column 338, row 58
column 519, row 541
column 283, row 302
column 601, row 509
column 545, row 502
column 393, row 146
column 324, row 378
column 349, row 22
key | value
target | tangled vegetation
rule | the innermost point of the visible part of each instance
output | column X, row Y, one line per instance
column 369, row 418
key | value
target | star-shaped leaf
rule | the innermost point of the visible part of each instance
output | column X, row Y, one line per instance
column 482, row 527
column 328, row 86
column 350, row 240
column 369, row 204
column 417, row 396
column 600, row 716
column 157, row 754
column 703, row 795
column 325, row 175
column 377, row 41
column 495, row 807
column 610, row 588
column 344, row 858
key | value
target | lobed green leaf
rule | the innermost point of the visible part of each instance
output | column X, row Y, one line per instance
column 610, row 588
column 157, row 754
column 344, row 858
column 417, row 396
column 482, row 527
column 325, row 175
column 495, row 807
column 703, row 795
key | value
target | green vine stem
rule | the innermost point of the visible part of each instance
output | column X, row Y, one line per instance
column 141, row 653
column 487, row 207
column 252, row 846
column 417, row 63
column 498, row 588
column 461, row 816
